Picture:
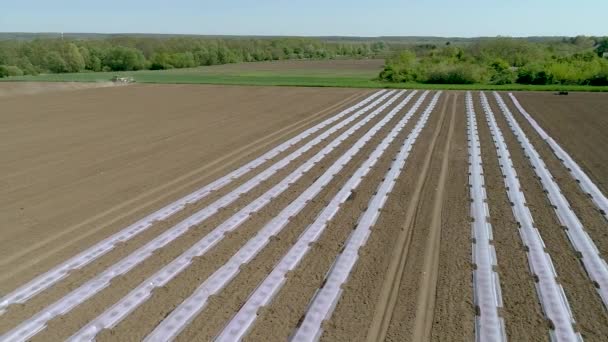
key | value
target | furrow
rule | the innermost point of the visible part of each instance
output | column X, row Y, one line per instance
column 586, row 184
column 395, row 306
column 488, row 296
column 38, row 322
column 195, row 303
column 48, row 279
column 550, row 293
column 140, row 294
column 595, row 266
column 454, row 308
column 325, row 300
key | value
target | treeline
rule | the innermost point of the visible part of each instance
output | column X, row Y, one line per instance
column 137, row 53
column 570, row 61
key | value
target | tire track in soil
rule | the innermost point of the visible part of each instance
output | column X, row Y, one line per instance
column 163, row 300
column 454, row 308
column 423, row 323
column 278, row 320
column 115, row 218
column 382, row 324
column 587, row 308
column 122, row 284
column 353, row 312
column 524, row 319
column 591, row 218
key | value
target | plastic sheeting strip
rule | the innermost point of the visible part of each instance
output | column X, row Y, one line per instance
column 596, row 267
column 586, row 184
column 35, row 324
column 326, row 298
column 140, row 294
column 191, row 307
column 550, row 293
column 486, row 283
column 46, row 280
column 244, row 319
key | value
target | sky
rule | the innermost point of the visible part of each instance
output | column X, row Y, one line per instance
column 447, row 18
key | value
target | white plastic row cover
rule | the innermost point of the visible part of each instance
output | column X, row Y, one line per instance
column 489, row 326
column 577, row 173
column 140, row 294
column 59, row 272
column 35, row 324
column 327, row 297
column 596, row 267
column 551, row 295
column 192, row 306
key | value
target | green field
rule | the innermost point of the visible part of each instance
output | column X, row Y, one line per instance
column 361, row 74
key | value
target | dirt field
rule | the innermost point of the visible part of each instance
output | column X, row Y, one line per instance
column 318, row 66
column 29, row 88
column 285, row 247
column 579, row 123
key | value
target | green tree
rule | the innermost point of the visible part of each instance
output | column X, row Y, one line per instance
column 55, row 63
column 73, row 59
column 122, row 58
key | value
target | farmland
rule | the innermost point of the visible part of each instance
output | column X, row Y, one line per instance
column 350, row 73
column 201, row 212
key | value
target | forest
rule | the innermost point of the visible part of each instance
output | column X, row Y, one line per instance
column 56, row 55
column 569, row 61
column 577, row 60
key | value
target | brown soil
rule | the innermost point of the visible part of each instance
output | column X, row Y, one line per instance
column 522, row 313
column 454, row 309
column 578, row 122
column 587, row 307
column 31, row 88
column 332, row 66
column 591, row 218
column 279, row 319
column 78, row 165
column 164, row 301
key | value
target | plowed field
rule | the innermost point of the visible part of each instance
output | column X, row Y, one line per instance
column 196, row 213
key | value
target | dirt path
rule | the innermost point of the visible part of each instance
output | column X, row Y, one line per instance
column 355, row 309
column 428, row 281
column 390, row 288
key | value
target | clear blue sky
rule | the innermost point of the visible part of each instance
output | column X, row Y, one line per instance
column 464, row 18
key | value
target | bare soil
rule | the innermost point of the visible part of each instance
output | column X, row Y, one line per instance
column 85, row 163
column 77, row 165
column 31, row 88
column 578, row 122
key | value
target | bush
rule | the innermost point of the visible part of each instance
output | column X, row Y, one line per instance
column 401, row 68
column 454, row 74
column 10, row 70
column 503, row 77
column 534, row 74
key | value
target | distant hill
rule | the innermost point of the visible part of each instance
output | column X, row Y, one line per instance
column 388, row 39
